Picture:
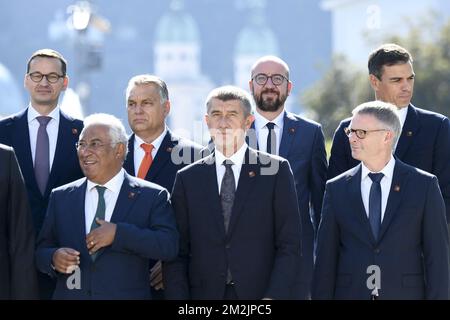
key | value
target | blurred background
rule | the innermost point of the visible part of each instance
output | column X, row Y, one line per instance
column 196, row 45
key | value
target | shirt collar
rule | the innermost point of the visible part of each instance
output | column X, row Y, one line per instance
column 237, row 157
column 32, row 113
column 388, row 170
column 402, row 112
column 113, row 185
column 260, row 121
column 156, row 143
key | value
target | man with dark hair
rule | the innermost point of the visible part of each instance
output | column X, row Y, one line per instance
column 425, row 138
column 44, row 138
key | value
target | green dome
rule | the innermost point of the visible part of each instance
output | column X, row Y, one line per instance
column 256, row 41
column 177, row 26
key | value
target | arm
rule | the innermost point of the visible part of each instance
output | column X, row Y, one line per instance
column 159, row 240
column 21, row 236
column 327, row 252
column 435, row 244
column 287, row 235
column 175, row 272
column 318, row 175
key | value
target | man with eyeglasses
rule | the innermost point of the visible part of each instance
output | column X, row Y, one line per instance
column 44, row 138
column 425, row 139
column 101, row 231
column 297, row 139
column 383, row 233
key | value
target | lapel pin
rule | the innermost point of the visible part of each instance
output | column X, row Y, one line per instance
column 409, row 133
column 131, row 195
column 292, row 130
column 169, row 149
column 397, row 188
column 74, row 131
column 251, row 174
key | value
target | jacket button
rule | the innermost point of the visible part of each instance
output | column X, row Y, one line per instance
column 227, row 246
column 377, row 250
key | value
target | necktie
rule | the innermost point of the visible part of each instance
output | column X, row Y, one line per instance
column 271, row 138
column 146, row 161
column 227, row 192
column 99, row 213
column 42, row 154
column 375, row 203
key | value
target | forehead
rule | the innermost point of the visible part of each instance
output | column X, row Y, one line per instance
column 398, row 70
column 95, row 131
column 45, row 63
column 225, row 106
column 270, row 67
column 147, row 89
column 364, row 121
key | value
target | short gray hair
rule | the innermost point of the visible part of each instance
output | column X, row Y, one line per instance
column 144, row 79
column 384, row 112
column 227, row 93
column 117, row 131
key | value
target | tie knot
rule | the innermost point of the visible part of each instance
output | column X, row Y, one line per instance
column 43, row 120
column 270, row 125
column 227, row 163
column 100, row 190
column 376, row 177
column 147, row 147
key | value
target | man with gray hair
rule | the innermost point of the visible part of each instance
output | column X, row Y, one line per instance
column 240, row 229
column 104, row 228
column 383, row 232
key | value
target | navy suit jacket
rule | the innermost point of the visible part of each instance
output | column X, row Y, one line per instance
column 302, row 144
column 412, row 250
column 263, row 244
column 65, row 168
column 146, row 228
column 424, row 144
column 17, row 272
column 174, row 154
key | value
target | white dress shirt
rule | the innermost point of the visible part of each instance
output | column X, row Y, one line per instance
column 112, row 191
column 139, row 153
column 402, row 112
column 52, row 131
column 385, row 184
column 262, row 131
column 237, row 158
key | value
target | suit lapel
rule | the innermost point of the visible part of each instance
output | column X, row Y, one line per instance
column 410, row 129
column 289, row 130
column 357, row 210
column 78, row 207
column 162, row 157
column 128, row 165
column 249, row 171
column 129, row 193
column 251, row 138
column 21, row 142
column 394, row 198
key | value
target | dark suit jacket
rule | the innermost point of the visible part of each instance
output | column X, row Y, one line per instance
column 65, row 168
column 174, row 154
column 17, row 271
column 412, row 249
column 302, row 144
column 424, row 143
column 262, row 246
column 146, row 228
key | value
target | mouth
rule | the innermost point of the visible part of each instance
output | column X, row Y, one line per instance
column 88, row 163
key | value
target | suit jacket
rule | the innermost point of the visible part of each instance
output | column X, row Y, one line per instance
column 424, row 143
column 146, row 229
column 262, row 246
column 411, row 250
column 174, row 154
column 65, row 168
column 17, row 271
column 302, row 144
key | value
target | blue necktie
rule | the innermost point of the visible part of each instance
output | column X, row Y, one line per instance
column 42, row 154
column 227, row 192
column 271, row 146
column 99, row 213
column 375, row 203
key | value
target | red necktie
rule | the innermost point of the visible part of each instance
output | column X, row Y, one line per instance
column 146, row 161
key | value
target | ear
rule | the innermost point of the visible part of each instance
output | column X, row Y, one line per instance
column 289, row 88
column 249, row 121
column 207, row 120
column 166, row 108
column 120, row 151
column 250, row 85
column 65, row 82
column 374, row 82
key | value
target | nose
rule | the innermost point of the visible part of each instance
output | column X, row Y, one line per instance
column 269, row 83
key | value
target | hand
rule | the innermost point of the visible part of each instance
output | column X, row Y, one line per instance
column 100, row 237
column 65, row 260
column 156, row 277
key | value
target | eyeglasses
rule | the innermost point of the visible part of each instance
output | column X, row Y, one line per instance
column 93, row 145
column 51, row 77
column 360, row 133
column 277, row 79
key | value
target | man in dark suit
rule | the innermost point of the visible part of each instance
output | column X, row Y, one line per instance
column 17, row 271
column 383, row 232
column 105, row 227
column 425, row 139
column 237, row 213
column 296, row 139
column 44, row 138
column 148, row 105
